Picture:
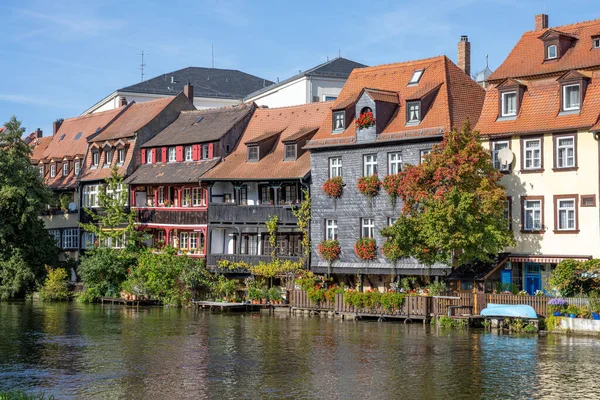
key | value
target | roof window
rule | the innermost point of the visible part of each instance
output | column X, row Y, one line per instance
column 78, row 136
column 596, row 42
column 551, row 52
column 62, row 137
column 198, row 120
column 416, row 77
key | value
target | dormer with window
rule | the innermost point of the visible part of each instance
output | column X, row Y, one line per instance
column 253, row 153
column 65, row 168
column 293, row 145
column 556, row 44
column 261, row 146
column 510, row 96
column 374, row 110
column 572, row 90
column 339, row 121
column 596, row 42
column 418, row 104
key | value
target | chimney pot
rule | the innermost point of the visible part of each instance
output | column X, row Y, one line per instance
column 56, row 126
column 39, row 133
column 464, row 54
column 541, row 22
column 188, row 91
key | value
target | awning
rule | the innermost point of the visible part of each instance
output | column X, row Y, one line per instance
column 547, row 259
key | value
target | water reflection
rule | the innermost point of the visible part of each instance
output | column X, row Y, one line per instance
column 76, row 351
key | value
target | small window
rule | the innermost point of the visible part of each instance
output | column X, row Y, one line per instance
column 496, row 147
column 198, row 198
column 532, row 210
column 394, row 163
column 566, row 215
column 205, row 152
column 331, row 229
column 187, row 199
column 244, row 195
column 533, row 154
column 571, row 97
column 596, row 43
column 367, row 227
column 413, row 109
column 508, row 213
column 107, row 158
column 95, row 158
column 509, row 104
column 161, row 195
column 52, row 170
column 253, row 153
column 416, row 77
column 329, row 98
column 466, row 285
column 588, row 200
column 121, row 156
column 65, row 169
column 338, row 121
column 565, row 152
column 70, row 239
column 183, row 240
column 423, row 154
column 335, row 167
column 78, row 136
column 55, row 233
column 392, row 221
column 290, row 151
column 172, row 154
column 42, row 173
column 370, row 165
column 551, row 51
column 148, row 156
column 188, row 153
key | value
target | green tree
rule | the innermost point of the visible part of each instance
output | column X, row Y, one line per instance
column 453, row 204
column 114, row 222
column 25, row 246
column 102, row 271
column 56, row 286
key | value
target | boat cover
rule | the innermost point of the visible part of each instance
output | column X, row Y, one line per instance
column 509, row 310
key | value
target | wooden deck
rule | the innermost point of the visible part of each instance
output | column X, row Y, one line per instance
column 136, row 303
column 238, row 307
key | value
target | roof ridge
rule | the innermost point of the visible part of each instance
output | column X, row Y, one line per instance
column 396, row 64
column 572, row 25
column 96, row 114
column 315, row 104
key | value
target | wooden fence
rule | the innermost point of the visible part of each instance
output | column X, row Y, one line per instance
column 413, row 307
column 300, row 300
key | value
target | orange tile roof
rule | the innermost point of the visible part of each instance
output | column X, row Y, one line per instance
column 134, row 119
column 38, row 147
column 458, row 98
column 287, row 120
column 540, row 109
column 527, row 57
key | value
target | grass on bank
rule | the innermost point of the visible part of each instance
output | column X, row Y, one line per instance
column 20, row 395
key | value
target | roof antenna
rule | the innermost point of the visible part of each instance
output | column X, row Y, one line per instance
column 327, row 58
column 486, row 60
column 213, row 55
column 142, row 65
column 340, row 53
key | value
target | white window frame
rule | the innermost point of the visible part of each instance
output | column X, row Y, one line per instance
column 392, row 220
column 596, row 43
column 149, row 156
column 571, row 214
column 88, row 240
column 90, row 196
column 76, row 167
column 505, row 111
column 548, row 56
column 52, row 170
column 198, row 199
column 422, row 154
column 56, row 234
column 193, row 240
column 186, row 197
column 529, row 154
column 370, row 164
column 563, row 162
column 331, row 229
column 65, row 168
column 172, row 154
column 394, row 162
column 70, row 239
column 205, row 151
column 95, row 158
column 536, row 213
column 121, row 156
column 41, row 169
column 564, row 96
column 293, row 150
column 508, row 213
column 160, row 236
column 416, row 76
column 107, row 158
column 495, row 150
column 251, row 150
column 339, row 121
column 335, row 167
column 183, row 240
column 188, row 153
column 410, row 105
column 367, row 227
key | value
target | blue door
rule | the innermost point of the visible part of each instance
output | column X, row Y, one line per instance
column 533, row 277
column 506, row 277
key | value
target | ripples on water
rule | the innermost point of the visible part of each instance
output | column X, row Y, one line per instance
column 109, row 352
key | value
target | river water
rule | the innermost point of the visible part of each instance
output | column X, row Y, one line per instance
column 113, row 352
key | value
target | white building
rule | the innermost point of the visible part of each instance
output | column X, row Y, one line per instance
column 321, row 83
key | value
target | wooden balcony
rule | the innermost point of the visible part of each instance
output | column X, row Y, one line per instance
column 219, row 213
column 212, row 259
column 170, row 216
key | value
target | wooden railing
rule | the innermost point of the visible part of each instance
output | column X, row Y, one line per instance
column 300, row 300
column 213, row 259
column 413, row 306
column 231, row 213
column 455, row 304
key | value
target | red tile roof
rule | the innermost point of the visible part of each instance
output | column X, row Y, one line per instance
column 458, row 98
column 527, row 57
column 38, row 147
column 287, row 120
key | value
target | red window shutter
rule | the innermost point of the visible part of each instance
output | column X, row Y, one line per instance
column 143, row 156
column 164, row 154
column 210, row 150
column 179, row 153
column 153, row 155
column 196, row 152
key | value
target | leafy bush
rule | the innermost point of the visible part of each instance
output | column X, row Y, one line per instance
column 274, row 294
column 436, row 288
column 103, row 270
column 366, row 249
column 56, row 286
column 19, row 395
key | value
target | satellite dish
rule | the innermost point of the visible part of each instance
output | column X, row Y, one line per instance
column 72, row 206
column 506, row 156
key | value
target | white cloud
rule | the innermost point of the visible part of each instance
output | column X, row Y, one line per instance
column 36, row 101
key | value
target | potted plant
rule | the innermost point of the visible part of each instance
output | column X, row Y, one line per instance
column 366, row 249
column 369, row 185
column 557, row 306
column 275, row 295
column 594, row 306
column 572, row 311
column 333, row 187
column 391, row 184
column 365, row 120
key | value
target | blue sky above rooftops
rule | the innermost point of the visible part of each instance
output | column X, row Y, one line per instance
column 57, row 58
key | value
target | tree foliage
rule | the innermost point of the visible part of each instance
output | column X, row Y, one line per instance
column 56, row 285
column 453, row 204
column 25, row 246
column 102, row 271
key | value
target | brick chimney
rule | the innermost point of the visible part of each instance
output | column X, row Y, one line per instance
column 56, row 126
column 122, row 101
column 541, row 22
column 39, row 133
column 188, row 91
column 464, row 55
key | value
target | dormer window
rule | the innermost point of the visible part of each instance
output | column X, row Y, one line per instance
column 52, row 170
column 121, row 159
column 413, row 112
column 42, row 170
column 188, row 153
column 290, row 152
column 76, row 168
column 571, row 97
column 65, row 169
column 253, row 153
column 172, row 154
column 509, row 104
column 95, row 158
column 205, row 152
column 596, row 42
column 416, row 77
column 107, row 158
column 339, row 121
column 551, row 52
column 148, row 156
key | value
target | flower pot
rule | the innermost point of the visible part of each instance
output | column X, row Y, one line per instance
column 572, row 316
column 595, row 316
column 557, row 313
column 263, row 301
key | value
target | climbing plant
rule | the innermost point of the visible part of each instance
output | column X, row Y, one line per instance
column 303, row 215
column 272, row 229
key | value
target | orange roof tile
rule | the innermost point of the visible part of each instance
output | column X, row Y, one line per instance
column 458, row 98
column 527, row 57
column 287, row 120
column 38, row 147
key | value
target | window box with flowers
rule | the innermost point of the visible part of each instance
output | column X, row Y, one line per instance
column 333, row 187
column 329, row 250
column 365, row 120
column 369, row 185
column 366, row 249
column 391, row 185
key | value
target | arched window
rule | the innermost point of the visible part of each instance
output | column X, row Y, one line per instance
column 366, row 110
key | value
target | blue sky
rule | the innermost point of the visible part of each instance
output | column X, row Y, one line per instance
column 59, row 57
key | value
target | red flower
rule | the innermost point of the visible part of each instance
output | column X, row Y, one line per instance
column 369, row 185
column 329, row 250
column 366, row 249
column 365, row 120
column 333, row 187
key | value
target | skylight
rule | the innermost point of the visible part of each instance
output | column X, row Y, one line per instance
column 78, row 136
column 416, row 77
column 199, row 119
column 62, row 137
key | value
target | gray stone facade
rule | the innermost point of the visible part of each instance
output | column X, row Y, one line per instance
column 352, row 206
